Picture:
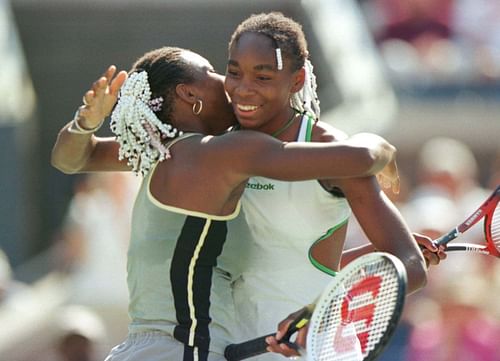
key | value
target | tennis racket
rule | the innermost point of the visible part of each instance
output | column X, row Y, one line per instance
column 490, row 212
column 353, row 319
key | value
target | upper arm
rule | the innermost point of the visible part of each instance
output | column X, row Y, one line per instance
column 248, row 153
column 104, row 157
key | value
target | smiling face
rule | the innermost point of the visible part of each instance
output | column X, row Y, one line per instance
column 217, row 113
column 260, row 93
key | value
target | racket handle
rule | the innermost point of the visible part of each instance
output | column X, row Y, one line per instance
column 447, row 237
column 240, row 351
column 257, row 346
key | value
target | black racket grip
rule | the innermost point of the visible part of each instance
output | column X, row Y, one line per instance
column 450, row 236
column 257, row 346
column 240, row 351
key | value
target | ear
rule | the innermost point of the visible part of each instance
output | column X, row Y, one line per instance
column 186, row 93
column 299, row 78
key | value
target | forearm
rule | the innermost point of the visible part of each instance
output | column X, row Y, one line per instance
column 353, row 253
column 393, row 236
column 380, row 152
column 71, row 152
column 385, row 228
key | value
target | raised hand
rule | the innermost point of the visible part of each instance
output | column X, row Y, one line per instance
column 389, row 177
column 98, row 102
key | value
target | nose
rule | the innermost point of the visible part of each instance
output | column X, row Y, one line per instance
column 242, row 88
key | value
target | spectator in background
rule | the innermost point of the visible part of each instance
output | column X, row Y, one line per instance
column 494, row 172
column 448, row 168
column 415, row 21
column 94, row 246
column 80, row 335
column 416, row 39
column 451, row 319
column 8, row 285
column 461, row 325
column 477, row 32
column 447, row 190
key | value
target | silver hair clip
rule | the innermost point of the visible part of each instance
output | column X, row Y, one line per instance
column 279, row 59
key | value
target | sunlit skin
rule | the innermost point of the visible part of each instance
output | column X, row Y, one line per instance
column 260, row 95
column 215, row 100
column 259, row 91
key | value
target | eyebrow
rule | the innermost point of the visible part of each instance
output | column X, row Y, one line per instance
column 258, row 67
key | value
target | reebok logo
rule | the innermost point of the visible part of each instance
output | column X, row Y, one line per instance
column 260, row 187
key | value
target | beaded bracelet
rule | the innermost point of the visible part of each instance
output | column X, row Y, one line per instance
column 76, row 128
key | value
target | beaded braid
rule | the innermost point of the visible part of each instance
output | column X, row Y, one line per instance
column 306, row 100
column 289, row 40
column 136, row 126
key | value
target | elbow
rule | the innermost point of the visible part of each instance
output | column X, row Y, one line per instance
column 377, row 159
column 59, row 164
column 417, row 273
column 370, row 162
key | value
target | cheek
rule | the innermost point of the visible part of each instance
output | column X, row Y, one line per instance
column 229, row 86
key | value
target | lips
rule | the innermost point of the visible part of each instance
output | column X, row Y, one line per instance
column 246, row 108
column 245, row 111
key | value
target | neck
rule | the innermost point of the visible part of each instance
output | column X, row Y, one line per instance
column 285, row 126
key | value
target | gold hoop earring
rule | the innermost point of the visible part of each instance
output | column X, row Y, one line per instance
column 197, row 107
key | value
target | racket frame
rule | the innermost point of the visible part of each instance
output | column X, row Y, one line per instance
column 484, row 211
column 360, row 263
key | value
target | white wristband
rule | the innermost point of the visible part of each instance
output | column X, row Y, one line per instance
column 76, row 128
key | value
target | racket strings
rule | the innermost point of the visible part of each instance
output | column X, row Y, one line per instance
column 495, row 227
column 356, row 319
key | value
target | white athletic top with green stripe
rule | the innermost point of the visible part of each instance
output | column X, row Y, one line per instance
column 278, row 224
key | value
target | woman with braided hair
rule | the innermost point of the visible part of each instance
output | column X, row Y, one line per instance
column 169, row 124
column 293, row 233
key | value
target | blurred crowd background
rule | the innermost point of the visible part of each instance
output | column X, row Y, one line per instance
column 423, row 73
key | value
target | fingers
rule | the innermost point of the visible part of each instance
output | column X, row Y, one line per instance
column 117, row 83
column 284, row 349
column 110, row 72
column 300, row 341
column 433, row 254
column 396, row 185
column 425, row 242
column 107, row 83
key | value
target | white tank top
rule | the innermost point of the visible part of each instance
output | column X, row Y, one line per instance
column 270, row 241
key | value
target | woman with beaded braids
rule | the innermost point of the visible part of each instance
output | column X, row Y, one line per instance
column 180, row 298
column 293, row 233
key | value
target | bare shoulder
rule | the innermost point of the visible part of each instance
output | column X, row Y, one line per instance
column 238, row 152
column 324, row 132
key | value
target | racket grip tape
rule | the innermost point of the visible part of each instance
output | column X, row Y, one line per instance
column 446, row 238
column 240, row 351
column 257, row 346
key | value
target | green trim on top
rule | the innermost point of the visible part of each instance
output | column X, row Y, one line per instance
column 309, row 128
column 313, row 261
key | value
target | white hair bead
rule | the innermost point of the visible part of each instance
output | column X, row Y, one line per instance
column 137, row 128
column 306, row 100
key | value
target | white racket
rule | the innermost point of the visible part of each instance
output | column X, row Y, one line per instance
column 353, row 319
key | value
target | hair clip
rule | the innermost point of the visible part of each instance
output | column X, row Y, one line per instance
column 279, row 59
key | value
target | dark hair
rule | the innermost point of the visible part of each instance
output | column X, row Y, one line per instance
column 166, row 69
column 285, row 33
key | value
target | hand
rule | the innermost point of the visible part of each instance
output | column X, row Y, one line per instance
column 389, row 177
column 101, row 98
column 287, row 349
column 432, row 253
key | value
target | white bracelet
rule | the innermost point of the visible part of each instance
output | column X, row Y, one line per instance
column 76, row 128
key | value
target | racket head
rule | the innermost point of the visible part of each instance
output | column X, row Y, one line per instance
column 359, row 310
column 492, row 226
